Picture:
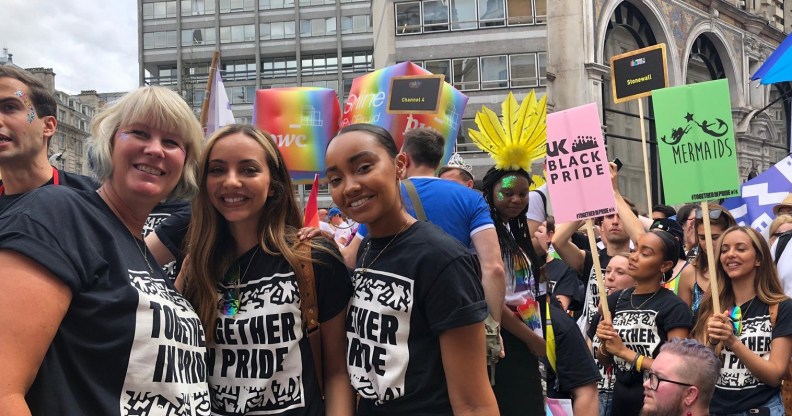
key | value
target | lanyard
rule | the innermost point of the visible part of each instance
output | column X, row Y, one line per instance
column 55, row 180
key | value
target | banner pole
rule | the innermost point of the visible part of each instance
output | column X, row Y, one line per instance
column 598, row 270
column 710, row 258
column 645, row 159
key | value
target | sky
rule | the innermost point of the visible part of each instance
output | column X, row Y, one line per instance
column 89, row 44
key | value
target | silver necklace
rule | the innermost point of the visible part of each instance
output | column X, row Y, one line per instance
column 644, row 302
column 143, row 253
column 363, row 267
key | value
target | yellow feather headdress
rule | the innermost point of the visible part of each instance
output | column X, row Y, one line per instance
column 516, row 139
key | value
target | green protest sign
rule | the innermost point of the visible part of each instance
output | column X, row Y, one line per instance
column 695, row 138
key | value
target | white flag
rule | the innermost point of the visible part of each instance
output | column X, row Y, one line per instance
column 219, row 107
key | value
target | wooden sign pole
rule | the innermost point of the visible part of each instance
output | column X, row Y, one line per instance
column 598, row 270
column 710, row 259
column 645, row 159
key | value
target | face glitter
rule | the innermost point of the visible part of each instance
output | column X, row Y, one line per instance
column 500, row 196
column 26, row 102
column 509, row 181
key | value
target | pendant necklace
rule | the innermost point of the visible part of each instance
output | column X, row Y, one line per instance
column 363, row 267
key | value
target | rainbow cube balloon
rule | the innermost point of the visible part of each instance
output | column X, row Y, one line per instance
column 301, row 120
column 368, row 103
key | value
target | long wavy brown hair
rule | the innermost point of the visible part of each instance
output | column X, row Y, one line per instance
column 766, row 283
column 212, row 249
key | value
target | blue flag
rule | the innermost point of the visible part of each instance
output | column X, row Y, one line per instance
column 758, row 196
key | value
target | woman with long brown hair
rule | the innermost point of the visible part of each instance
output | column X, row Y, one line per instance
column 753, row 333
column 242, row 277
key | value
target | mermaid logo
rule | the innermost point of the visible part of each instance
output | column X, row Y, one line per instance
column 717, row 128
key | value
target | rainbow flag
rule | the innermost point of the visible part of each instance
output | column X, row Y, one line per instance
column 301, row 120
column 368, row 103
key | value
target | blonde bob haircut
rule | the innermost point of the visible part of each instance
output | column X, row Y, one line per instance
column 156, row 107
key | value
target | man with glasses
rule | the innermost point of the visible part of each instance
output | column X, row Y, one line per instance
column 681, row 380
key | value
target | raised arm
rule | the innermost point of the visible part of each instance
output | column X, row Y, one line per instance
column 562, row 242
column 634, row 226
column 26, row 337
column 493, row 276
column 463, row 355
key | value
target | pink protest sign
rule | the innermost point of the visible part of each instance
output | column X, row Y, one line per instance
column 577, row 173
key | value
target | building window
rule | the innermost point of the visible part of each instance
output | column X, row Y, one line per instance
column 238, row 33
column 242, row 94
column 239, row 70
column 279, row 67
column 275, row 4
column 355, row 24
column 319, row 65
column 441, row 15
column 408, row 18
column 276, row 30
column 316, row 2
column 317, row 27
column 167, row 75
column 463, row 15
column 466, row 74
column 197, row 7
column 159, row 10
column 542, row 58
column 523, row 70
column 159, row 40
column 494, row 72
column 439, row 67
column 231, row 6
column 197, row 37
column 357, row 62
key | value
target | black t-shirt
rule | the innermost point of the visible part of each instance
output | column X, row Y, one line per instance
column 592, row 299
column 169, row 220
column 737, row 390
column 643, row 322
column 423, row 283
column 71, row 180
column 607, row 376
column 562, row 280
column 261, row 361
column 129, row 343
column 575, row 365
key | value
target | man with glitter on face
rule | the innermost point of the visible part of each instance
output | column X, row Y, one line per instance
column 27, row 122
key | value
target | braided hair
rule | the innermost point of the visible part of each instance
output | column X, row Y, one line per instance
column 517, row 237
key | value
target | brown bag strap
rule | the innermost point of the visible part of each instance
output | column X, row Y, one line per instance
column 310, row 311
column 415, row 199
column 773, row 314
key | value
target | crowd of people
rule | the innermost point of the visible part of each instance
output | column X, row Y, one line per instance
column 416, row 295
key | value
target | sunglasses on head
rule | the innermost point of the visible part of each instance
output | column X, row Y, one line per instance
column 713, row 214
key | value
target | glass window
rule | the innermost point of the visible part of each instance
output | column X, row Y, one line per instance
column 494, row 72
column 305, row 28
column 148, row 40
column 317, row 27
column 330, row 26
column 346, row 24
column 288, row 30
column 170, row 9
column 435, row 15
column 466, row 74
column 197, row 7
column 170, row 39
column 408, row 18
column 148, row 11
column 194, row 37
column 159, row 9
column 520, row 12
column 275, row 4
column 441, row 67
column 463, row 14
column 264, row 31
column 542, row 58
column 523, row 70
column 225, row 34
column 360, row 24
column 541, row 11
column 492, row 13
column 237, row 33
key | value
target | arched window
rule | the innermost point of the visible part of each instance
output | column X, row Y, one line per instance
column 629, row 30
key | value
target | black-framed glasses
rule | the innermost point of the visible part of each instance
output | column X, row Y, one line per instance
column 713, row 214
column 654, row 380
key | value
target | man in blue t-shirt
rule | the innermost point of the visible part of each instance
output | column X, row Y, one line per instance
column 459, row 211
